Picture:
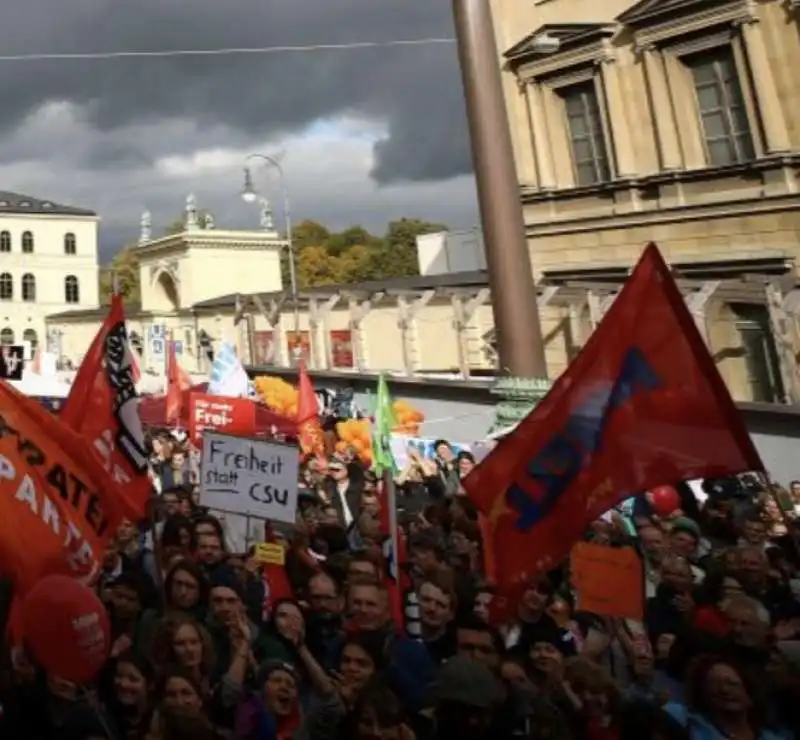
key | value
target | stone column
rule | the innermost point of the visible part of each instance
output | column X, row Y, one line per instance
column 358, row 312
column 463, row 313
column 781, row 330
column 407, row 311
column 541, row 141
column 617, row 117
column 669, row 148
column 776, row 133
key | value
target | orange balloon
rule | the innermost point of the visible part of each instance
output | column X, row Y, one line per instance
column 66, row 628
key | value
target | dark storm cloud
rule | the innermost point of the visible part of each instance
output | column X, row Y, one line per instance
column 416, row 90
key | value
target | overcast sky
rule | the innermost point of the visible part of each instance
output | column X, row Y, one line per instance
column 368, row 134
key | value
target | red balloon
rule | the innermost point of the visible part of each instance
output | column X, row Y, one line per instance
column 664, row 500
column 66, row 629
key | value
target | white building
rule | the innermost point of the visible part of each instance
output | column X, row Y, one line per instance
column 182, row 279
column 451, row 251
column 48, row 264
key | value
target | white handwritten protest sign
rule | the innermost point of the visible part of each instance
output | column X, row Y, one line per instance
column 249, row 476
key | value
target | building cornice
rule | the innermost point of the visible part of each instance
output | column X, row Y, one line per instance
column 595, row 52
column 739, row 207
column 247, row 246
column 48, row 216
column 703, row 20
column 212, row 239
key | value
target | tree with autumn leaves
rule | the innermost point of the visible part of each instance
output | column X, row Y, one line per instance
column 323, row 257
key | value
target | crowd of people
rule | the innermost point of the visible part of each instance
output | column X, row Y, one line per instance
column 210, row 643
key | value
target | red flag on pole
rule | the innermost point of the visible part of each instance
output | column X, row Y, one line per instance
column 641, row 405
column 178, row 380
column 103, row 407
column 309, row 430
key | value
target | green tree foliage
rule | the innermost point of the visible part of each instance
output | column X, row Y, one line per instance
column 125, row 268
column 354, row 255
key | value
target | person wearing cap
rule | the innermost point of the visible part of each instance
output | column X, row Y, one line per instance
column 684, row 539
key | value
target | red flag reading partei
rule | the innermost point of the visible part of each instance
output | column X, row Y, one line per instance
column 641, row 405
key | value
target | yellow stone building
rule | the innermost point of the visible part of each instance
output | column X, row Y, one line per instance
column 674, row 121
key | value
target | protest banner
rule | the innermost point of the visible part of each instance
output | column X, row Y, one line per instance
column 249, row 476
column 402, row 444
column 609, row 580
column 219, row 413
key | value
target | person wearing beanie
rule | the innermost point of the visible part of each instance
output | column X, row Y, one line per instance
column 227, row 620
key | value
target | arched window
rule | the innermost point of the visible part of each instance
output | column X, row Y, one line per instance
column 27, row 242
column 7, row 337
column 29, row 335
column 28, row 287
column 5, row 241
column 70, row 245
column 6, row 287
column 72, row 293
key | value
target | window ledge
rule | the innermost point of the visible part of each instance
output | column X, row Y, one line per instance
column 533, row 195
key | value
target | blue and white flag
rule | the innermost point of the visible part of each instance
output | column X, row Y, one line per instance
column 227, row 376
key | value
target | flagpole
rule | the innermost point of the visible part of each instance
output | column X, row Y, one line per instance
column 167, row 346
column 391, row 501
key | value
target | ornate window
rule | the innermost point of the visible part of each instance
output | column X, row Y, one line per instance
column 70, row 244
column 585, row 128
column 7, row 336
column 6, row 287
column 5, row 241
column 570, row 114
column 72, row 292
column 711, row 88
column 723, row 115
column 27, row 242
column 28, row 287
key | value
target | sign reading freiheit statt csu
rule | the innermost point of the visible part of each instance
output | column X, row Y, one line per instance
column 249, row 476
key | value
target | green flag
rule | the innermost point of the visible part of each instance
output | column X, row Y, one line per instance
column 382, row 429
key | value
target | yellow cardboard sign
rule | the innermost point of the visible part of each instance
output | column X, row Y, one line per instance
column 268, row 553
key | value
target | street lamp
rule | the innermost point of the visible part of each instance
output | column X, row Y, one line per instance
column 250, row 195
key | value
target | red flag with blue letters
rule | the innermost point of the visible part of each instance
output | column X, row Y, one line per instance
column 642, row 405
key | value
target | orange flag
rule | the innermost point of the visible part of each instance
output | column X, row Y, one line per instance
column 57, row 508
column 178, row 380
column 309, row 430
column 103, row 408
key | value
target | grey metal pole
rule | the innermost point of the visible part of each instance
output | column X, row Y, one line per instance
column 520, row 346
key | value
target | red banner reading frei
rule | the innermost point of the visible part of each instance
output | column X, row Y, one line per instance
column 221, row 414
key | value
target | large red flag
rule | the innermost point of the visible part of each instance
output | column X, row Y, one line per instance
column 57, row 511
column 640, row 406
column 103, row 407
column 309, row 430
